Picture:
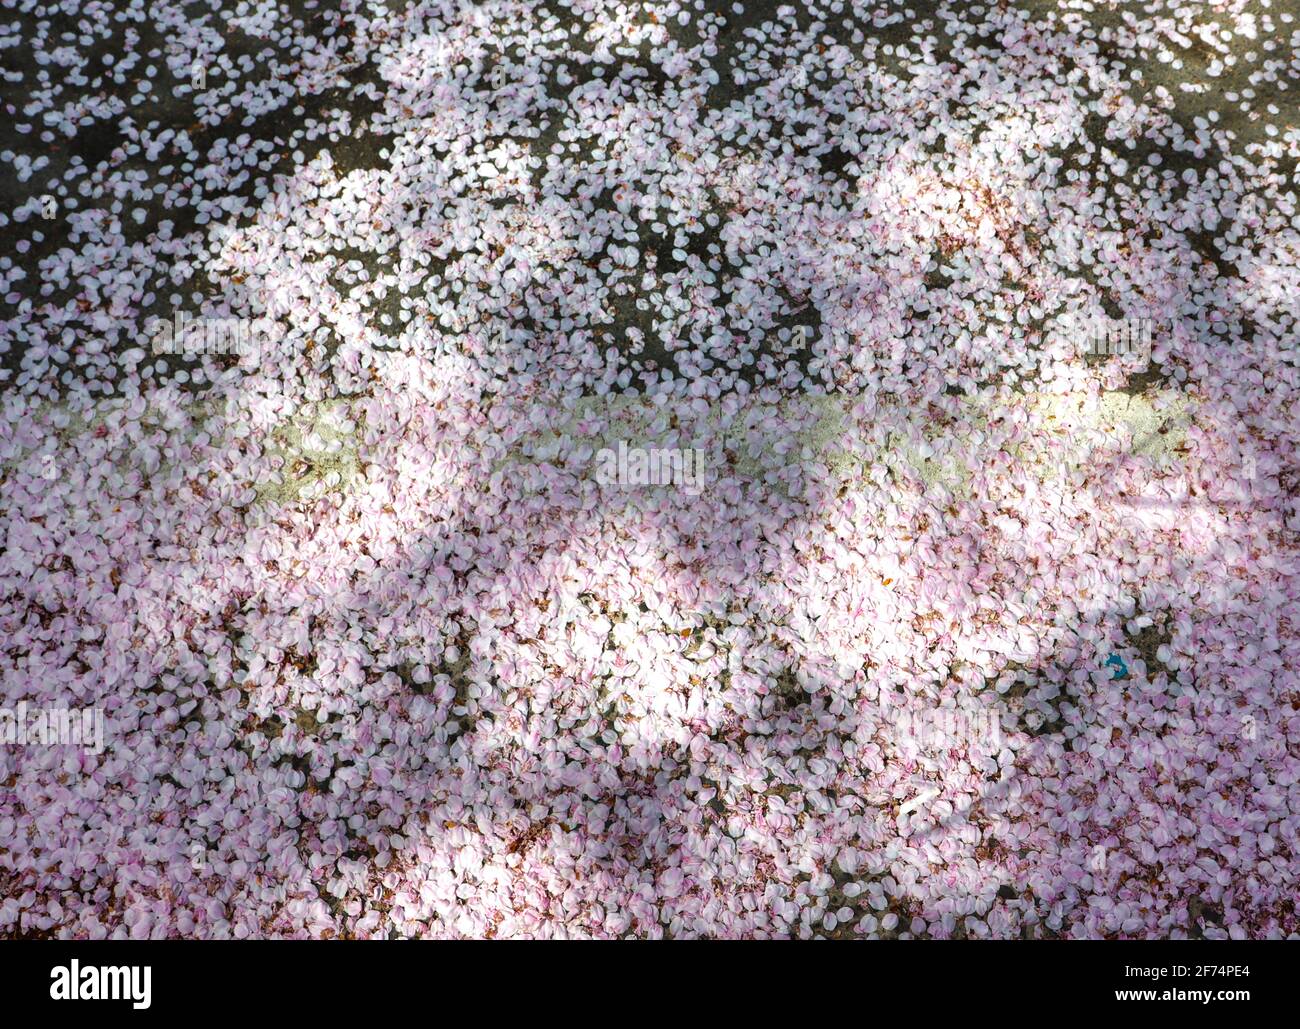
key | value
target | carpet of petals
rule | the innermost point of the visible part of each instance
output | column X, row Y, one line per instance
column 943, row 648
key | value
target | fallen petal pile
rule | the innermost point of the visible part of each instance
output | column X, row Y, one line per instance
column 595, row 468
